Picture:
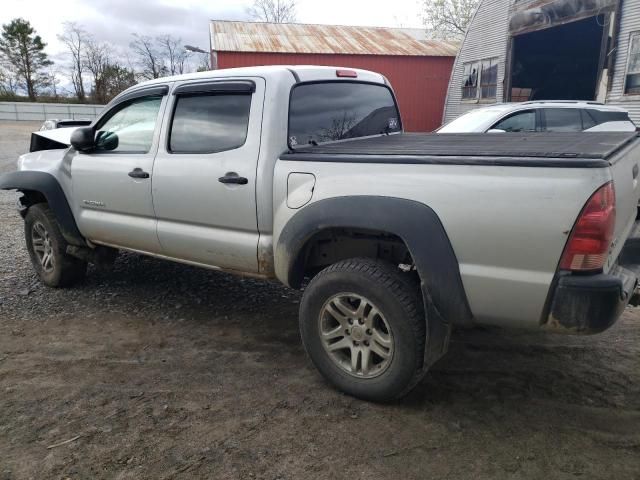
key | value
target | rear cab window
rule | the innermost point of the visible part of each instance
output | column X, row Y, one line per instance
column 321, row 112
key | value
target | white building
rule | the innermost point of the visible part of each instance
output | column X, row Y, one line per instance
column 517, row 50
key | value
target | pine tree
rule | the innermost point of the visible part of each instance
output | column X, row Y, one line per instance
column 23, row 51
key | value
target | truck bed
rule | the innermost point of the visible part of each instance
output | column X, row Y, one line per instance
column 578, row 150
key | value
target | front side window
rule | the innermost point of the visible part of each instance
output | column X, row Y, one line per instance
column 470, row 81
column 518, row 122
column 489, row 79
column 130, row 129
column 562, row 120
column 329, row 111
column 632, row 80
column 209, row 123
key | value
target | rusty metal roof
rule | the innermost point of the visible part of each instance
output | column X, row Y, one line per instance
column 262, row 37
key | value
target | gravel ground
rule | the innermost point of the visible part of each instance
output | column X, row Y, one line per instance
column 163, row 371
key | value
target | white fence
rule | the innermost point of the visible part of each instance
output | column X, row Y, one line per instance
column 46, row 111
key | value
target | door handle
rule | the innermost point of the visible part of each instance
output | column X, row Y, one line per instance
column 232, row 178
column 138, row 173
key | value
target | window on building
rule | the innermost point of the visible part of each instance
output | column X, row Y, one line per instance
column 209, row 123
column 470, row 81
column 632, row 82
column 489, row 79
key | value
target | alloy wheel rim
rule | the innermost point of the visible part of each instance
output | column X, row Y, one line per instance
column 355, row 335
column 43, row 247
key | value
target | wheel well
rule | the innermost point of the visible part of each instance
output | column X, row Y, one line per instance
column 31, row 197
column 332, row 245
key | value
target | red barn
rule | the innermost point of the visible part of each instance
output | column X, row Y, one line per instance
column 418, row 68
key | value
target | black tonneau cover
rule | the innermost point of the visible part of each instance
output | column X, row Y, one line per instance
column 579, row 149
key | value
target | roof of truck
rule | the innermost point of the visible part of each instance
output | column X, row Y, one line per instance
column 505, row 149
column 265, row 70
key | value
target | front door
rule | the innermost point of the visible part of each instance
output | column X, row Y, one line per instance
column 204, row 187
column 112, row 183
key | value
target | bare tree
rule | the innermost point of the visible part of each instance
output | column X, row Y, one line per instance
column 96, row 61
column 448, row 19
column 274, row 11
column 148, row 56
column 9, row 82
column 175, row 54
column 75, row 39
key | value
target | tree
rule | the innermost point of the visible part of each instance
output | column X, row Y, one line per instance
column 75, row 39
column 96, row 60
column 148, row 56
column 8, row 82
column 24, row 52
column 175, row 54
column 274, row 11
column 116, row 79
column 448, row 19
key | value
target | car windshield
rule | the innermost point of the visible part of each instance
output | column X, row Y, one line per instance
column 472, row 121
column 330, row 111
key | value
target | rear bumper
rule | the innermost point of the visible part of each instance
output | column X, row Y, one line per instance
column 585, row 304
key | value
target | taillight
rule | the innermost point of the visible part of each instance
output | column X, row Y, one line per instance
column 588, row 245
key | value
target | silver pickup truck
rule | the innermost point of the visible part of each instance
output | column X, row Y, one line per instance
column 304, row 174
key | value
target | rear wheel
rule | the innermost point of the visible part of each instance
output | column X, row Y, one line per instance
column 47, row 249
column 363, row 326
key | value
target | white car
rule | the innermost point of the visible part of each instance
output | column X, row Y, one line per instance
column 542, row 116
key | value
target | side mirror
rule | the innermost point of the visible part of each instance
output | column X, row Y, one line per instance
column 83, row 139
column 496, row 130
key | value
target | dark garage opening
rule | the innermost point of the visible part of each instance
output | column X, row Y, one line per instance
column 558, row 63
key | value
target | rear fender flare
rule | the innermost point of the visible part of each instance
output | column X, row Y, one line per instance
column 50, row 188
column 413, row 222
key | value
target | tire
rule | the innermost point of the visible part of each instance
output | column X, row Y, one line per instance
column 43, row 236
column 342, row 288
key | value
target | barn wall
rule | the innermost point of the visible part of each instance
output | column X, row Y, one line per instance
column 630, row 22
column 486, row 38
column 420, row 83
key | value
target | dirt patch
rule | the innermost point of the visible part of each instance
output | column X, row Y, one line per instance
column 163, row 371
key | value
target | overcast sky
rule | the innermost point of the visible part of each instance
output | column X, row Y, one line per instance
column 114, row 21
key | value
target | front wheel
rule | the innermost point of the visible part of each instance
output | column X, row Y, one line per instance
column 363, row 326
column 48, row 249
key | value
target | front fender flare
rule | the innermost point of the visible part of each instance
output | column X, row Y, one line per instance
column 47, row 185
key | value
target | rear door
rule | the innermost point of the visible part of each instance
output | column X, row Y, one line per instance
column 204, row 187
column 561, row 119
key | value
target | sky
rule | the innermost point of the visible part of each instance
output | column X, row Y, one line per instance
column 114, row 21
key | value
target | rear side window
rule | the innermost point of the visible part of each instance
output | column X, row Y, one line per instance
column 518, row 122
column 329, row 111
column 562, row 120
column 209, row 123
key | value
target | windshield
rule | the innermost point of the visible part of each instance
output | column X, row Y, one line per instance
column 472, row 121
column 330, row 111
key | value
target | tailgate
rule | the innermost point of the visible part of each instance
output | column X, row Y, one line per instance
column 625, row 170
